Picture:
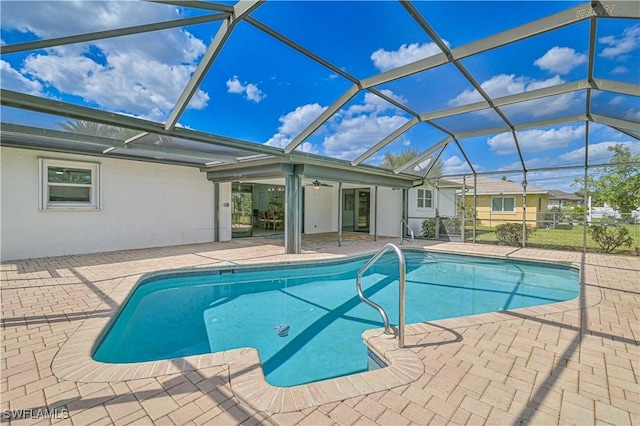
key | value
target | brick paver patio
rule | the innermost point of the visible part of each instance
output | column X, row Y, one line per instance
column 575, row 363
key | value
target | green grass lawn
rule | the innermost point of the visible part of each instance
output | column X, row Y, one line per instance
column 567, row 239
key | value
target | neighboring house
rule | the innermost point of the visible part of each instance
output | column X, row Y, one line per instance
column 500, row 201
column 561, row 199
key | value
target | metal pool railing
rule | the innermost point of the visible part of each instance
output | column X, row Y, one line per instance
column 402, row 234
column 402, row 279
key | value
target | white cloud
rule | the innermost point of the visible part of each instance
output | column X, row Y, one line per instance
column 250, row 90
column 560, row 60
column 516, row 165
column 616, row 100
column 503, row 85
column 533, row 163
column 142, row 75
column 556, row 179
column 385, row 60
column 535, row 140
column 619, row 47
column 14, row 80
column 455, row 165
column 353, row 136
column 293, row 124
column 598, row 152
column 541, row 84
column 547, row 107
column 296, row 121
column 125, row 84
column 254, row 93
column 632, row 115
column 620, row 70
column 44, row 17
column 375, row 104
column 354, row 130
column 234, row 85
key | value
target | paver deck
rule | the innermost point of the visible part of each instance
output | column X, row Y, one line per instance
column 572, row 363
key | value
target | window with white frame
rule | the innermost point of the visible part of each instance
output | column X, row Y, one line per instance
column 69, row 185
column 425, row 198
column 503, row 204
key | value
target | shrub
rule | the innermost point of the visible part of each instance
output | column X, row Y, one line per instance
column 577, row 214
column 610, row 237
column 429, row 228
column 510, row 234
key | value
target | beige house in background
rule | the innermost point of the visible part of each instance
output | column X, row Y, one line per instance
column 500, row 201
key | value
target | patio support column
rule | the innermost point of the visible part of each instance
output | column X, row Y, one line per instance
column 475, row 204
column 405, row 211
column 339, row 214
column 375, row 215
column 524, row 209
column 464, row 206
column 292, row 220
column 216, row 212
column 437, row 208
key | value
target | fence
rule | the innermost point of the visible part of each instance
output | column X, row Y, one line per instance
column 562, row 230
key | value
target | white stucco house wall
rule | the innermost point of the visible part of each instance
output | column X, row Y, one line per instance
column 427, row 202
column 133, row 205
column 321, row 210
column 119, row 204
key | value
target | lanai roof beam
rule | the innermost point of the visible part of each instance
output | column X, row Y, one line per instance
column 461, row 68
column 196, row 4
column 62, row 109
column 101, row 35
column 324, row 116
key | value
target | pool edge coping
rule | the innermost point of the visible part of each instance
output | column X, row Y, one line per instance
column 74, row 360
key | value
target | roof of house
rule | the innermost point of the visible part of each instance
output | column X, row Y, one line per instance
column 556, row 194
column 490, row 186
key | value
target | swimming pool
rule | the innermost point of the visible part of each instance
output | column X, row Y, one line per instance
column 189, row 313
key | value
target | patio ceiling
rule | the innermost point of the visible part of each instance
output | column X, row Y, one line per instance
column 434, row 91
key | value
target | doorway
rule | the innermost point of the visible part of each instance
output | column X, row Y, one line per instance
column 356, row 211
column 241, row 210
column 257, row 210
column 363, row 208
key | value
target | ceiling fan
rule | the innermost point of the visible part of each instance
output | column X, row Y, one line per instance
column 316, row 184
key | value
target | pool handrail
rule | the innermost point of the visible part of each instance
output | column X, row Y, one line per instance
column 402, row 234
column 402, row 278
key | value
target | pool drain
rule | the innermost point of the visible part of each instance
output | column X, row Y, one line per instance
column 282, row 330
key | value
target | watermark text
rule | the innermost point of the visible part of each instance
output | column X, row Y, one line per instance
column 36, row 413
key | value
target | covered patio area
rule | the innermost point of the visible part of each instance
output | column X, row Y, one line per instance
column 572, row 363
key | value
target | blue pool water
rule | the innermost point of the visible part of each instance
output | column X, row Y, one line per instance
column 187, row 314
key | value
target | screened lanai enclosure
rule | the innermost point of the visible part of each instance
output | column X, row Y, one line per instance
column 543, row 96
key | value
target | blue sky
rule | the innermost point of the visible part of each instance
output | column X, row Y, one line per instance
column 262, row 91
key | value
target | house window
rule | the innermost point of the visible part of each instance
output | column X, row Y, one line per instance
column 503, row 204
column 425, row 198
column 69, row 185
